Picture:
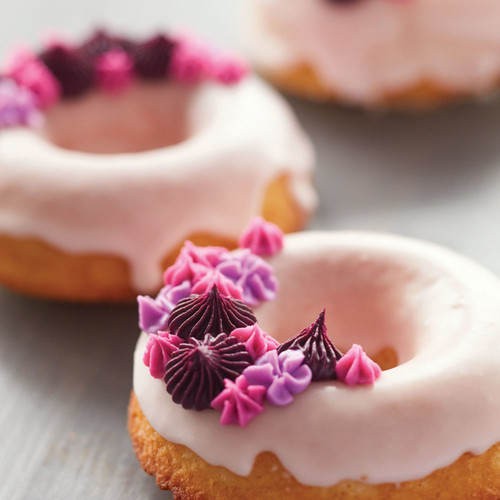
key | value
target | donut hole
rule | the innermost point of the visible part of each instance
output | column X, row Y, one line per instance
column 144, row 117
column 392, row 308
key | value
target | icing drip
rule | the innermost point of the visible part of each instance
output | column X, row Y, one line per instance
column 152, row 58
column 210, row 313
column 257, row 341
column 17, row 105
column 159, row 350
column 239, row 402
column 283, row 375
column 319, row 352
column 262, row 237
column 252, row 274
column 196, row 371
column 74, row 73
column 356, row 368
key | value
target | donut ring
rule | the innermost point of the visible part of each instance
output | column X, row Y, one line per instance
column 428, row 428
column 377, row 53
column 96, row 201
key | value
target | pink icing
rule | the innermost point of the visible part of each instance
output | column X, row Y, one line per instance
column 159, row 349
column 203, row 282
column 191, row 60
column 29, row 72
column 262, row 237
column 356, row 368
column 256, row 340
column 114, row 71
column 239, row 402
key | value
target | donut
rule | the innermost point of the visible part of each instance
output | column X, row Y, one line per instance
column 424, row 427
column 115, row 151
column 377, row 53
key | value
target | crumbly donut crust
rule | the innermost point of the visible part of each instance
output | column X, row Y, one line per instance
column 35, row 267
column 189, row 477
column 302, row 81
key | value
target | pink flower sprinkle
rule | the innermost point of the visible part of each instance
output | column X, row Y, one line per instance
column 28, row 71
column 257, row 341
column 262, row 237
column 356, row 368
column 114, row 71
column 191, row 60
column 211, row 277
column 159, row 349
column 239, row 402
column 228, row 69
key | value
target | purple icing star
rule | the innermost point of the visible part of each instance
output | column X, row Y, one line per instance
column 154, row 313
column 17, row 105
column 251, row 273
column 283, row 375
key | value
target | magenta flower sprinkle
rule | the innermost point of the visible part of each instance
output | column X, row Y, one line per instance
column 17, row 105
column 257, row 341
column 159, row 350
column 211, row 277
column 190, row 262
column 356, row 368
column 239, row 402
column 191, row 60
column 228, row 69
column 283, row 375
column 114, row 70
column 29, row 72
column 262, row 237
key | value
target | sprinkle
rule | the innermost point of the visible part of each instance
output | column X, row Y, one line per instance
column 320, row 353
column 196, row 371
column 159, row 350
column 114, row 71
column 191, row 60
column 283, row 375
column 239, row 402
column 152, row 57
column 251, row 273
column 29, row 72
column 211, row 313
column 154, row 313
column 257, row 341
column 262, row 237
column 356, row 368
column 17, row 105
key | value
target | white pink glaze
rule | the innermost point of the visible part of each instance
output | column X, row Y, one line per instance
column 438, row 310
column 142, row 170
column 367, row 49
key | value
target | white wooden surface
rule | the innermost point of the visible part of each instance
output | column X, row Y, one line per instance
column 65, row 370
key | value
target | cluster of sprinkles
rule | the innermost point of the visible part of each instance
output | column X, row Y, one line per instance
column 33, row 82
column 205, row 342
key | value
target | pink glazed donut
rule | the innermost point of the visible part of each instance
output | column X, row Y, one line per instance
column 114, row 151
column 409, row 53
column 427, row 428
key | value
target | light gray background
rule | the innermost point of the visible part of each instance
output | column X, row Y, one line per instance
column 65, row 370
